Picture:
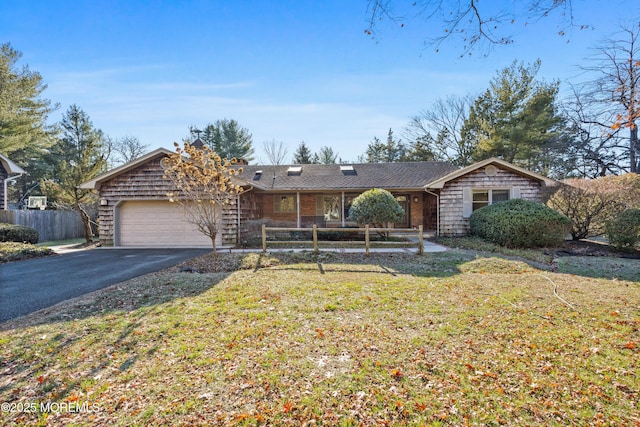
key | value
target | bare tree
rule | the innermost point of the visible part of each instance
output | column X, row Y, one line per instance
column 204, row 186
column 473, row 22
column 589, row 204
column 440, row 128
column 276, row 152
column 596, row 150
column 124, row 149
column 615, row 90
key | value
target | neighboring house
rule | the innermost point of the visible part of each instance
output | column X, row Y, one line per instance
column 135, row 211
column 9, row 171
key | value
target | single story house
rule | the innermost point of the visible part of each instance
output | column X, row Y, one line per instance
column 9, row 171
column 134, row 208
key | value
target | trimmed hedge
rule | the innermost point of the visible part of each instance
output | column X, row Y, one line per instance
column 375, row 207
column 18, row 233
column 519, row 223
column 623, row 231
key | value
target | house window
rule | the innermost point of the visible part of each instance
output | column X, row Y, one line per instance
column 284, row 204
column 483, row 198
column 331, row 205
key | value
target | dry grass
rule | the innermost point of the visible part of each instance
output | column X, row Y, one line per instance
column 12, row 251
column 294, row 339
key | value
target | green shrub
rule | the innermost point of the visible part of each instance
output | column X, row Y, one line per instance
column 520, row 223
column 375, row 207
column 623, row 231
column 18, row 233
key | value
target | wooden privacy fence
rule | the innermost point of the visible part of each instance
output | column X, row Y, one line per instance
column 366, row 231
column 51, row 224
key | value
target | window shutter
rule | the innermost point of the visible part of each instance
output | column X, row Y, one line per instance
column 467, row 202
column 515, row 192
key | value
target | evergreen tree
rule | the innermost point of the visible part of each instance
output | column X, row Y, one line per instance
column 303, row 155
column 76, row 158
column 375, row 151
column 229, row 140
column 391, row 151
column 24, row 133
column 516, row 119
column 395, row 150
column 23, row 113
column 325, row 156
column 420, row 150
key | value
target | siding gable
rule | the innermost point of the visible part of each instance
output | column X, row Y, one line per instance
column 456, row 196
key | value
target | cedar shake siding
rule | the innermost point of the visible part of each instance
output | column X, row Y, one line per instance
column 145, row 182
column 452, row 220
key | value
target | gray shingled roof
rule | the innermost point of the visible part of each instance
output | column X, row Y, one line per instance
column 390, row 176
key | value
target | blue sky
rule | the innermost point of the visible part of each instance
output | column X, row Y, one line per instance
column 286, row 70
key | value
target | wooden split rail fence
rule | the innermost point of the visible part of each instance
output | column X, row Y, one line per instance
column 366, row 230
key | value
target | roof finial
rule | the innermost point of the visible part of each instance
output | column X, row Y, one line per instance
column 198, row 143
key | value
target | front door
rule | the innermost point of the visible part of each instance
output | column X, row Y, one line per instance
column 403, row 200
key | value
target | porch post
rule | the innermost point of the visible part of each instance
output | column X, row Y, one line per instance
column 298, row 222
column 366, row 240
column 342, row 210
column 238, row 234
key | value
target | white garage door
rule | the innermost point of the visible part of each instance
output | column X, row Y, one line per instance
column 159, row 224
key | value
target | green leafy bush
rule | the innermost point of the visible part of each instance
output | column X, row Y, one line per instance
column 520, row 223
column 18, row 233
column 623, row 231
column 375, row 207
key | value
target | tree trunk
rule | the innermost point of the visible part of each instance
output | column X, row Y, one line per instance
column 86, row 224
column 213, row 243
column 633, row 149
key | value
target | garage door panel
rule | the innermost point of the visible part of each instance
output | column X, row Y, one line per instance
column 158, row 223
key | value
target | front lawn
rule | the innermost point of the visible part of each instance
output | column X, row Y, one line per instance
column 454, row 338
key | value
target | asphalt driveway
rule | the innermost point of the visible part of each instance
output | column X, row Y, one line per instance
column 31, row 285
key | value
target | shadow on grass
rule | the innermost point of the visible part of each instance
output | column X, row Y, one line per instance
column 138, row 298
column 440, row 264
column 581, row 258
column 600, row 267
column 144, row 292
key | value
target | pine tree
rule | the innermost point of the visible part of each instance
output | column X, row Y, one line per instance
column 229, row 140
column 516, row 119
column 391, row 151
column 24, row 133
column 326, row 156
column 375, row 151
column 76, row 158
column 303, row 155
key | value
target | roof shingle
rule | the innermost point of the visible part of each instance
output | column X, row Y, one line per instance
column 313, row 177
